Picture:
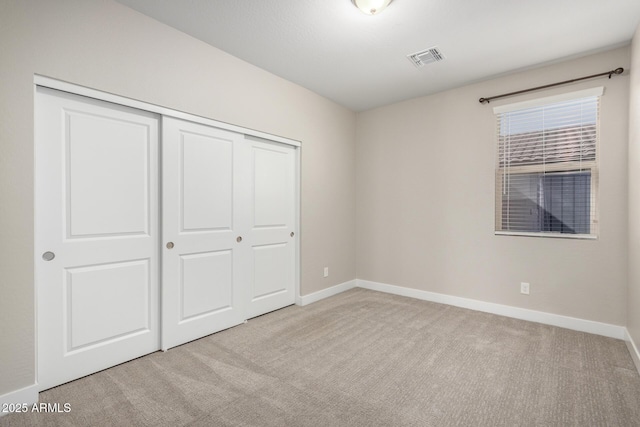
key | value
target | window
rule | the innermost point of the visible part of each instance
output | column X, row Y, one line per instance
column 546, row 169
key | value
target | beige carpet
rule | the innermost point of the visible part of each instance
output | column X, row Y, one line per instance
column 364, row 358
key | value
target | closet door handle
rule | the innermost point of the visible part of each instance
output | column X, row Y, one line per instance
column 239, row 239
column 170, row 245
column 292, row 234
column 48, row 256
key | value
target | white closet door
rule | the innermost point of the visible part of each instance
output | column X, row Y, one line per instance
column 96, row 235
column 203, row 265
column 272, row 218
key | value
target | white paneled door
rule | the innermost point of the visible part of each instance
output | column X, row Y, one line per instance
column 96, row 235
column 271, row 191
column 204, row 211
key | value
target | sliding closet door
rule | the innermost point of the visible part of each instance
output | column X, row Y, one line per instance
column 203, row 262
column 272, row 231
column 96, row 235
column 229, row 223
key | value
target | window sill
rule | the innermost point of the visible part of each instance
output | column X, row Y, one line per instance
column 552, row 235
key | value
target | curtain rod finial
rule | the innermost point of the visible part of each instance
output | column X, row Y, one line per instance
column 616, row 71
column 483, row 101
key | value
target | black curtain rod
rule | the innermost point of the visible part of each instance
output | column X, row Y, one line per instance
column 608, row 73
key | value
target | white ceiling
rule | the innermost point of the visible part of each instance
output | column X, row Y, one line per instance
column 359, row 61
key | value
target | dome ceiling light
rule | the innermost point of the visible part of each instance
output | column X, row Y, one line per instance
column 371, row 7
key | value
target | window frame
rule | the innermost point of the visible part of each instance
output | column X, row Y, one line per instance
column 590, row 165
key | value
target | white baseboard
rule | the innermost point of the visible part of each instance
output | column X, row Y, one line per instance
column 27, row 395
column 325, row 293
column 582, row 325
column 633, row 349
column 604, row 329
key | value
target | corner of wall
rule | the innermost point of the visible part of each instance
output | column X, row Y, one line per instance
column 633, row 244
column 633, row 350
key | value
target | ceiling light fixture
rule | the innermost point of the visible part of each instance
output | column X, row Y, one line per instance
column 371, row 7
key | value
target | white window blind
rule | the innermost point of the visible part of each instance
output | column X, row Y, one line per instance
column 546, row 171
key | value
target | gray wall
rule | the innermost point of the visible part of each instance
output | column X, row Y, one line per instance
column 425, row 201
column 107, row 46
column 633, row 298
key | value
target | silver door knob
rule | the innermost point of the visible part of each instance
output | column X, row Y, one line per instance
column 292, row 234
column 239, row 239
column 48, row 256
column 170, row 245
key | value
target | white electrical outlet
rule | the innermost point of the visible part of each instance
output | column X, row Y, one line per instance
column 524, row 288
column 326, row 272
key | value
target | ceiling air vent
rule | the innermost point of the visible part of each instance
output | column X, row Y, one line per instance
column 420, row 59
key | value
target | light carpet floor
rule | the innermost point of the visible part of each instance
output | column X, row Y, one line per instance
column 364, row 358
